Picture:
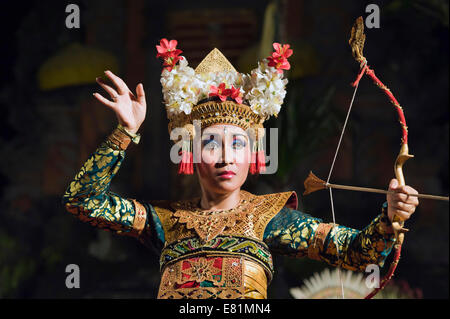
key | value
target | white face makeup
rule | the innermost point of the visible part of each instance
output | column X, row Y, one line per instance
column 225, row 157
column 220, row 143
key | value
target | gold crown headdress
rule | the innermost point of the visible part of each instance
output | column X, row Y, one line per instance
column 215, row 93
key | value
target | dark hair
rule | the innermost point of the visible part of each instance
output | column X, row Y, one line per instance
column 216, row 98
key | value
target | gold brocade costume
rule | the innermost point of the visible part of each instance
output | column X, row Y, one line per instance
column 241, row 273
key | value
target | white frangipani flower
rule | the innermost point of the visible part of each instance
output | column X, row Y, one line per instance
column 263, row 88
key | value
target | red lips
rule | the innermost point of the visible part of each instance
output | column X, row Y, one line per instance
column 227, row 174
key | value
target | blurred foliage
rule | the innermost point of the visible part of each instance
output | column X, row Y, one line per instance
column 16, row 266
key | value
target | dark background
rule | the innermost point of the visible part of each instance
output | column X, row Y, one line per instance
column 50, row 123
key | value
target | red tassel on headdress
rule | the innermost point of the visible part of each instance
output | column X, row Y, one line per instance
column 260, row 158
column 253, row 169
column 258, row 162
column 186, row 165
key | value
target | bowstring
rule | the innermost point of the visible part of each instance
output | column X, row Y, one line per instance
column 342, row 133
column 328, row 180
column 337, row 246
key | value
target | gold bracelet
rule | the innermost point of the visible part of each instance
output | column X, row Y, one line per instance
column 118, row 140
column 135, row 138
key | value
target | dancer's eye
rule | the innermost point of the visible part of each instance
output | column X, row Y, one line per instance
column 210, row 144
column 238, row 143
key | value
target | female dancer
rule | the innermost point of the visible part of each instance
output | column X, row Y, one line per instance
column 219, row 245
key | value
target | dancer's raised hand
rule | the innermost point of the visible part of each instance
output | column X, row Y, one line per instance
column 130, row 109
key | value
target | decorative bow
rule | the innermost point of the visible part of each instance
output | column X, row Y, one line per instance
column 313, row 183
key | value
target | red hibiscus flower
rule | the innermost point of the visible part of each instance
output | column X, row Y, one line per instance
column 167, row 48
column 169, row 52
column 279, row 57
column 223, row 93
column 220, row 91
column 279, row 63
column 236, row 94
column 170, row 62
column 282, row 50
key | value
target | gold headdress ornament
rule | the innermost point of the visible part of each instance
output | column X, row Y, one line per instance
column 215, row 93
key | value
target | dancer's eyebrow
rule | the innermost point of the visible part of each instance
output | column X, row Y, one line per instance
column 216, row 135
column 239, row 134
column 208, row 135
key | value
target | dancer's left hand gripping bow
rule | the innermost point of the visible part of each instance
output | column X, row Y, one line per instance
column 400, row 204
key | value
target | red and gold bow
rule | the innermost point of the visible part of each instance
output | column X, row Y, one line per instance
column 313, row 183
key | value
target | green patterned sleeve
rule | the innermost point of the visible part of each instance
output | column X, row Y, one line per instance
column 88, row 197
column 296, row 234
